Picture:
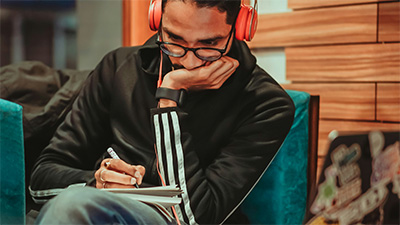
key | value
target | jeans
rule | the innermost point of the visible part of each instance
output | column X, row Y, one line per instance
column 87, row 205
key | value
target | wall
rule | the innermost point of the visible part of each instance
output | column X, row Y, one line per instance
column 346, row 51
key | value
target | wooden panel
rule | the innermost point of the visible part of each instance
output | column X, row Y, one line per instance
column 364, row 62
column 342, row 101
column 135, row 28
column 389, row 22
column 388, row 102
column 321, row 161
column 301, row 4
column 349, row 24
column 326, row 126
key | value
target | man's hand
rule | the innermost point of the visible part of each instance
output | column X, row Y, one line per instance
column 115, row 173
column 210, row 76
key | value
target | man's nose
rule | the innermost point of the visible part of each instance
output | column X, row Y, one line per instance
column 190, row 61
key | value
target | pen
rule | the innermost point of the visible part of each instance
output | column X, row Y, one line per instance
column 114, row 155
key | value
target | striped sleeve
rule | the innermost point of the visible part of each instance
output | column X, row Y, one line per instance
column 171, row 159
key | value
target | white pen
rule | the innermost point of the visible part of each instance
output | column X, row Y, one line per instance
column 114, row 155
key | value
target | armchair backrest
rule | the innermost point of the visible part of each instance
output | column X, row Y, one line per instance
column 282, row 194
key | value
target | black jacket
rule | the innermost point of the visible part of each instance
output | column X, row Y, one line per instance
column 215, row 147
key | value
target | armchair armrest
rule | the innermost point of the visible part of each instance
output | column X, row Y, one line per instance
column 12, row 168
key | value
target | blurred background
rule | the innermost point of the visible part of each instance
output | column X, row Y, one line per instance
column 39, row 30
column 62, row 34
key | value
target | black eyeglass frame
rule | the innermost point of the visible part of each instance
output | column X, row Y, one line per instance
column 194, row 50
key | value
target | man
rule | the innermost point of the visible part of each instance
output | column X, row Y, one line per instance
column 214, row 145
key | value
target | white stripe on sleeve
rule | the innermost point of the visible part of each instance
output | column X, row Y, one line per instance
column 158, row 145
column 169, row 155
column 181, row 168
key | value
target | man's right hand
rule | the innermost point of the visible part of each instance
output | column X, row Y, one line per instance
column 210, row 76
column 116, row 173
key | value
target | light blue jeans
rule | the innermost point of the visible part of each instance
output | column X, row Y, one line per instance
column 87, row 205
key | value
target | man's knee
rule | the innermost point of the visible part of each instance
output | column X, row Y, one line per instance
column 71, row 205
column 76, row 197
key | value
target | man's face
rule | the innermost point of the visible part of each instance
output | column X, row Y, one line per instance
column 185, row 24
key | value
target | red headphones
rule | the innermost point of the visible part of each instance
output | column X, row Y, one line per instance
column 246, row 22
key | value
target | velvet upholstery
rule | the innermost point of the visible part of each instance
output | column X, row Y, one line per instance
column 280, row 195
column 12, row 169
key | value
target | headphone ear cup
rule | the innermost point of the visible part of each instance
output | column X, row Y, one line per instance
column 251, row 24
column 240, row 25
column 246, row 26
column 155, row 13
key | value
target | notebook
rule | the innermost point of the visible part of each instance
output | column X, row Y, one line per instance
column 165, row 196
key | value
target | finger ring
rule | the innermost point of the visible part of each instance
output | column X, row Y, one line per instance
column 104, row 184
column 108, row 163
column 101, row 178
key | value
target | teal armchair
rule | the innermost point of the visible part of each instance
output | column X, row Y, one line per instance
column 280, row 197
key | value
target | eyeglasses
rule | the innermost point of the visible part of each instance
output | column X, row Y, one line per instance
column 203, row 53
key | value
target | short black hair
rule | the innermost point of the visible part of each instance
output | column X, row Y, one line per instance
column 231, row 7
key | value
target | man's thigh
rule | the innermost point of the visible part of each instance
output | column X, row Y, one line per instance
column 87, row 205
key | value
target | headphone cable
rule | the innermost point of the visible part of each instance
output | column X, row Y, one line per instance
column 155, row 148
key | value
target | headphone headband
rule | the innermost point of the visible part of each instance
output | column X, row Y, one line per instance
column 245, row 25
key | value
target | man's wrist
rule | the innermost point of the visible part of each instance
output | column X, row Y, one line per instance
column 178, row 96
column 165, row 103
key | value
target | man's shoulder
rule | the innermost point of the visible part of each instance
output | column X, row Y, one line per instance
column 264, row 84
column 262, row 77
column 130, row 54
